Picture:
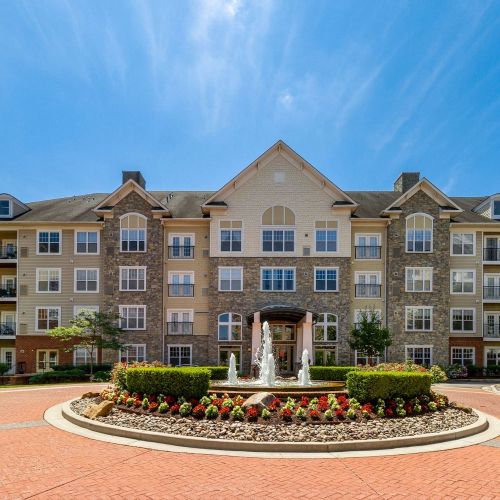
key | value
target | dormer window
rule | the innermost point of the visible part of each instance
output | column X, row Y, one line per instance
column 495, row 209
column 419, row 233
column 5, row 208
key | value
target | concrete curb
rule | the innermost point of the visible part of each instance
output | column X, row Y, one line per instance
column 374, row 445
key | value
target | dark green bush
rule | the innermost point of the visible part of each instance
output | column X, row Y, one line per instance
column 492, row 370
column 331, row 372
column 58, row 376
column 4, row 368
column 101, row 376
column 187, row 382
column 217, row 372
column 104, row 367
column 367, row 386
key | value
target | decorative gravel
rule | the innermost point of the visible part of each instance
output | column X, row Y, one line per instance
column 448, row 419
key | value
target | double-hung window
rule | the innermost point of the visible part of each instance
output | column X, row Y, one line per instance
column 419, row 279
column 133, row 353
column 87, row 280
column 367, row 285
column 48, row 318
column 132, row 278
column 277, row 279
column 181, row 284
column 231, row 235
column 48, row 280
column 87, row 242
column 367, row 246
column 419, row 233
column 133, row 229
column 462, row 244
column 230, row 327
column 463, row 281
column 81, row 356
column 49, row 242
column 230, row 279
column 326, row 279
column 181, row 246
column 133, row 317
column 462, row 320
column 419, row 354
column 325, row 330
column 278, row 231
column 418, row 319
column 326, row 236
column 179, row 355
column 463, row 356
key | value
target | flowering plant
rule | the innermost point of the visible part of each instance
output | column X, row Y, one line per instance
column 286, row 414
column 199, row 411
column 315, row 415
column 211, row 412
column 265, row 414
column 237, row 413
column 300, row 413
column 328, row 414
column 163, row 408
column 153, row 406
column 252, row 414
column 174, row 409
column 225, row 412
column 145, row 403
column 185, row 409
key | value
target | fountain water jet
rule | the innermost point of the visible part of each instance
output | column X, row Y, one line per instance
column 232, row 374
column 304, row 375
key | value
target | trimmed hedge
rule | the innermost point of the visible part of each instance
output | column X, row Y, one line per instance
column 105, row 367
column 187, row 382
column 217, row 372
column 368, row 386
column 58, row 376
column 330, row 372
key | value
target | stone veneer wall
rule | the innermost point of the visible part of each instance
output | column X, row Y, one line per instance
column 198, row 343
column 439, row 298
column 153, row 259
column 251, row 299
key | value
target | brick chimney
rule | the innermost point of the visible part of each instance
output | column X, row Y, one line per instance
column 135, row 175
column 406, row 181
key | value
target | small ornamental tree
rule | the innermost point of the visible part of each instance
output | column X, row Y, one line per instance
column 91, row 331
column 369, row 336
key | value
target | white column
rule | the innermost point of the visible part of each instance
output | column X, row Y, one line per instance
column 307, row 339
column 300, row 344
column 256, row 334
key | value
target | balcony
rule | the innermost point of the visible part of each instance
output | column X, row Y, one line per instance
column 365, row 252
column 8, row 292
column 180, row 290
column 491, row 293
column 7, row 330
column 179, row 328
column 367, row 291
column 491, row 255
column 180, row 252
column 491, row 331
column 8, row 252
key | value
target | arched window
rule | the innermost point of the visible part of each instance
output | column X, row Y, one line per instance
column 133, row 229
column 229, row 327
column 419, row 233
column 325, row 330
column 280, row 239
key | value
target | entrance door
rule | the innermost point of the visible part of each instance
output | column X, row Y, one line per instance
column 8, row 356
column 46, row 359
column 284, row 354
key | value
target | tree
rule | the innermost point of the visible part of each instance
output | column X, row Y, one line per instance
column 91, row 331
column 369, row 336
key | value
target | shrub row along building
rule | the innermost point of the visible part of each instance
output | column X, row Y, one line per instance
column 194, row 275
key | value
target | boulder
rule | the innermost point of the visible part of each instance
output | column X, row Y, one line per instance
column 103, row 409
column 90, row 395
column 259, row 399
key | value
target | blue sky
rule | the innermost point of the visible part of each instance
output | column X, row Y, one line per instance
column 191, row 92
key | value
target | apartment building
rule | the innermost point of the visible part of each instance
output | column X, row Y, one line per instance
column 193, row 275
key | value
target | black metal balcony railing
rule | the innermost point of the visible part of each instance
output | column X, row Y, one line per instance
column 367, row 252
column 7, row 291
column 8, row 252
column 491, row 254
column 491, row 292
column 180, row 290
column 7, row 329
column 180, row 252
column 368, row 290
column 180, row 328
column 491, row 331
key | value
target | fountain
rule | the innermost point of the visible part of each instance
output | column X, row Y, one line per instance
column 264, row 359
column 304, row 375
column 232, row 374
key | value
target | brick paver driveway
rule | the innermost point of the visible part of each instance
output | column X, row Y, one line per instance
column 39, row 461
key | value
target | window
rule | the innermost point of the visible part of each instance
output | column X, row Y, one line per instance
column 463, row 356
column 325, row 330
column 360, row 358
column 462, row 244
column 5, row 208
column 491, row 288
column 225, row 355
column 133, row 317
column 491, row 325
column 493, row 356
column 179, row 355
column 367, row 285
column 180, row 322
column 133, row 233
column 87, row 280
column 492, row 249
column 46, row 359
column 419, row 354
column 325, row 236
column 274, row 239
column 496, row 209
column 87, row 242
column 326, row 279
column 230, row 327
column 367, row 246
column 463, row 281
column 133, row 353
column 282, row 332
column 418, row 319
column 325, row 356
column 132, row 278
column 86, row 309
column 181, row 284
column 230, row 279
column 230, row 235
column 419, row 279
column 462, row 320
column 48, row 318
column 49, row 242
column 81, row 356
column 277, row 279
column 419, row 233
column 181, row 246
column 371, row 314
column 48, row 280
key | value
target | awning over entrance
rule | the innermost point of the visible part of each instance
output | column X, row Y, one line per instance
column 284, row 313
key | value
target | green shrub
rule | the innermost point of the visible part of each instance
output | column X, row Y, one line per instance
column 104, row 367
column 474, row 370
column 492, row 370
column 4, row 368
column 438, row 374
column 60, row 376
column 367, row 386
column 101, row 376
column 217, row 372
column 187, row 382
column 331, row 372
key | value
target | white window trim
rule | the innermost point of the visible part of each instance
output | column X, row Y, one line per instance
column 38, row 269
column 171, row 236
column 473, row 254
column 336, row 229
column 473, row 271
column 432, row 232
column 145, row 233
column 91, row 308
column 229, row 348
column 48, row 231
column 37, row 308
column 326, row 268
column 123, row 306
column 9, row 215
column 466, row 332
column 236, row 252
column 357, row 314
column 377, row 358
column 219, row 278
column 485, row 353
column 181, row 345
column 172, row 273
column 463, row 347
column 423, row 346
column 88, row 231
column 86, row 269
column 284, row 268
column 132, row 345
column 180, row 311
column 492, row 208
column 278, row 228
column 87, row 354
column 431, row 269
column 132, row 267
column 324, row 324
column 229, row 329
column 328, row 347
column 407, row 308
